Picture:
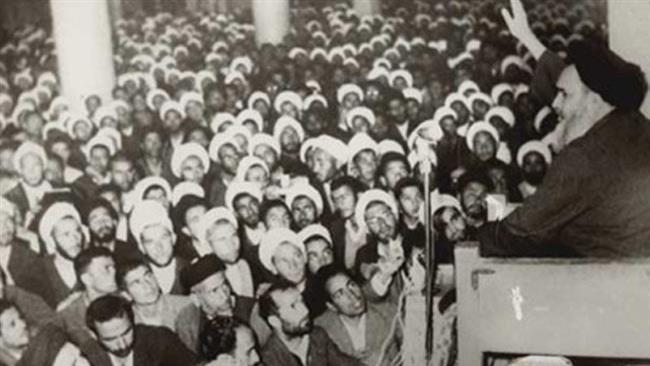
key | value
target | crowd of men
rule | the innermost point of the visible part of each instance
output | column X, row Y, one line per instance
column 236, row 204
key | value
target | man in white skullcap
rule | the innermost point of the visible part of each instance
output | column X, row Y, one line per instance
column 380, row 260
column 318, row 247
column 364, row 159
column 29, row 160
column 61, row 230
column 306, row 205
column 21, row 266
column 325, row 156
column 534, row 158
column 154, row 232
column 218, row 228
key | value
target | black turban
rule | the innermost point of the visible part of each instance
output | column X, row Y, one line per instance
column 201, row 269
column 620, row 83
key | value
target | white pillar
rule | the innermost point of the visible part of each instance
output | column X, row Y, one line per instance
column 116, row 10
column 82, row 34
column 367, row 7
column 271, row 20
column 629, row 35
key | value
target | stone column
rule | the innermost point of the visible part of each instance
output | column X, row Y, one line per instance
column 271, row 20
column 82, row 33
column 367, row 7
column 629, row 34
column 116, row 10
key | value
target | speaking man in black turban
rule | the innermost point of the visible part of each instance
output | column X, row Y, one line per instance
column 595, row 198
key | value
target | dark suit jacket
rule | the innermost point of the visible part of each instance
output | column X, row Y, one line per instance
column 191, row 320
column 59, row 290
column 153, row 346
column 18, row 197
column 27, row 271
column 379, row 318
column 322, row 352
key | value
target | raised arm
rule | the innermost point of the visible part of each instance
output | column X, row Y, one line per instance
column 518, row 25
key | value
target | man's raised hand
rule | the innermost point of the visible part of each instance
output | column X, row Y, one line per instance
column 517, row 22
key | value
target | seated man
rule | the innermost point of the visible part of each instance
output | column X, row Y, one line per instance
column 111, row 320
column 228, row 341
column 358, row 328
column 295, row 341
column 211, row 296
column 150, row 305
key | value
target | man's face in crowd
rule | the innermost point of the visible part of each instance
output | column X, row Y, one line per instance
column 484, row 146
column 32, row 169
column 454, row 223
column 99, row 158
column 116, row 336
column 54, row 171
column 68, row 237
column 290, row 140
column 215, row 295
column 381, row 221
column 319, row 254
column 158, row 244
column 100, row 275
column 410, row 201
column 473, row 200
column 366, row 163
column 461, row 111
column 7, row 229
column 92, row 103
column 192, row 170
column 152, row 145
column 346, row 295
column 267, row 154
column 534, row 168
column 83, row 131
column 123, row 174
column 277, row 217
column 33, row 125
column 14, row 333
column 290, row 262
column 413, row 109
column 229, row 157
column 304, row 211
column 397, row 110
column 193, row 217
column 344, row 201
column 292, row 312
column 314, row 122
column 194, row 111
column 172, row 122
column 322, row 164
column 62, row 150
column 393, row 172
column 223, row 239
column 142, row 286
column 247, row 209
column 480, row 108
